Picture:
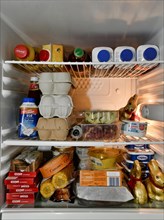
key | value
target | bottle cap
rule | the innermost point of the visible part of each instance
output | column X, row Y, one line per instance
column 44, row 55
column 34, row 78
column 78, row 52
column 28, row 100
column 21, row 51
column 150, row 54
column 126, row 55
column 103, row 56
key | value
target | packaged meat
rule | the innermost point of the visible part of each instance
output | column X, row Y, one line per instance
column 96, row 132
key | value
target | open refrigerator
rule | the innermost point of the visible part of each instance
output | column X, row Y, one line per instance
column 86, row 24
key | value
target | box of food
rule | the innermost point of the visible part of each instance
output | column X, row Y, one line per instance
column 20, row 180
column 28, row 161
column 23, row 174
column 32, row 189
column 20, row 186
column 101, row 178
column 101, row 117
column 96, row 132
column 10, row 196
column 20, row 201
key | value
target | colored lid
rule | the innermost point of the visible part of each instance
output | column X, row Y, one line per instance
column 21, row 51
column 126, row 55
column 78, row 52
column 150, row 54
column 44, row 55
column 28, row 100
column 103, row 56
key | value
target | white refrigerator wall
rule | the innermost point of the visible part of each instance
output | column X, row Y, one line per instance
column 86, row 24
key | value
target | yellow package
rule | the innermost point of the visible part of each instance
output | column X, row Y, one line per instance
column 47, row 189
column 62, row 178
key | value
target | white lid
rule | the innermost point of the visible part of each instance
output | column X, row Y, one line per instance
column 136, row 152
column 34, row 78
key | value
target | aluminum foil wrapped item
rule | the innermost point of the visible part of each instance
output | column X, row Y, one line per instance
column 104, row 194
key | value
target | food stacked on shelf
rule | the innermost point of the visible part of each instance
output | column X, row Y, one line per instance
column 142, row 153
column 58, row 174
column 55, row 106
column 103, row 182
column 23, row 178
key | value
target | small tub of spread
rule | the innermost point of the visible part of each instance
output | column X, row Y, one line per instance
column 134, row 128
column 130, row 163
column 140, row 155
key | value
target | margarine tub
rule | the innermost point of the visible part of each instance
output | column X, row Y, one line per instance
column 58, row 83
column 140, row 155
column 55, row 105
column 104, row 158
column 134, row 128
column 130, row 163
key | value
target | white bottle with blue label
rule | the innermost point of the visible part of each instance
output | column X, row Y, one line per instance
column 148, row 53
column 124, row 54
column 102, row 55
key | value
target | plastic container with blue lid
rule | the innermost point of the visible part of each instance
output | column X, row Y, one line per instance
column 124, row 54
column 140, row 155
column 130, row 163
column 148, row 53
column 101, row 55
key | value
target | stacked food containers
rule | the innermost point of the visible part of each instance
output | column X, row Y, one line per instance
column 55, row 105
column 142, row 153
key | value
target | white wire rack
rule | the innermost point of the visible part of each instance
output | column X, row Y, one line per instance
column 88, row 69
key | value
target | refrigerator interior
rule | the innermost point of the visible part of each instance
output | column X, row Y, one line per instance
column 86, row 24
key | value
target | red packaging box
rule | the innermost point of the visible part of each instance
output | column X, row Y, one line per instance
column 19, row 180
column 20, row 186
column 23, row 174
column 20, row 201
column 24, row 190
column 11, row 196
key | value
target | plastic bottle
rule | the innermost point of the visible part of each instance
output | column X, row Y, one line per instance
column 148, row 53
column 28, row 118
column 25, row 52
column 34, row 91
column 79, row 55
column 102, row 54
column 124, row 54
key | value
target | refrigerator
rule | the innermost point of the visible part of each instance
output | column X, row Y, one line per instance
column 86, row 24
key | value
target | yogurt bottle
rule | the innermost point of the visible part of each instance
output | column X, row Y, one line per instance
column 28, row 118
column 148, row 53
column 101, row 55
column 124, row 54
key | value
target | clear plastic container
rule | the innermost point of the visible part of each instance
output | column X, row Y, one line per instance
column 94, row 132
column 148, row 53
column 102, row 54
column 101, row 117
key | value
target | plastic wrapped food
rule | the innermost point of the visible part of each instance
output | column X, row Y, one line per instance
column 95, row 132
column 101, row 117
column 63, row 177
column 47, row 189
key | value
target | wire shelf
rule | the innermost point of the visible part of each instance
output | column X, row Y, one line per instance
column 88, row 69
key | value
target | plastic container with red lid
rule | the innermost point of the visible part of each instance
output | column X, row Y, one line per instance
column 24, row 52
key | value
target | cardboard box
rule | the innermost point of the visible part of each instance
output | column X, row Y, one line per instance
column 20, row 186
column 20, row 180
column 10, row 196
column 23, row 174
column 24, row 190
column 101, row 177
column 20, row 201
